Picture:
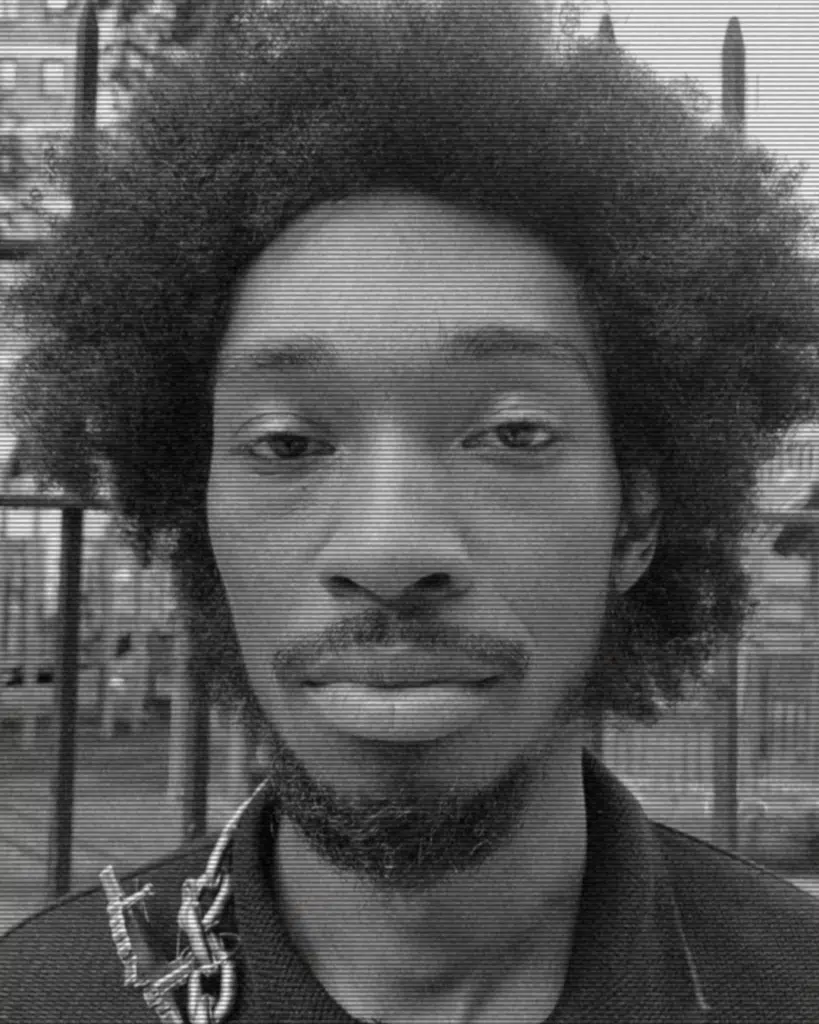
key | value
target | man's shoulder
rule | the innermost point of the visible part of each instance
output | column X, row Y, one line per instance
column 753, row 934
column 62, row 959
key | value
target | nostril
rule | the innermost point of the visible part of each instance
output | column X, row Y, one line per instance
column 435, row 581
column 341, row 585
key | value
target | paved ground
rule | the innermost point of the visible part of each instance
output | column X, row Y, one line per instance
column 810, row 885
column 122, row 814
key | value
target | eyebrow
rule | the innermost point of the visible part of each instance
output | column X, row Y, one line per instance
column 487, row 345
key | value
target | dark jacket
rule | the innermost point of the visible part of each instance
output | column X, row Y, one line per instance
column 671, row 930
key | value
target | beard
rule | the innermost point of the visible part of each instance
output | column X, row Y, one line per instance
column 413, row 837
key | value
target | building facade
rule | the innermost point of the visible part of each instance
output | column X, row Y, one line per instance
column 37, row 54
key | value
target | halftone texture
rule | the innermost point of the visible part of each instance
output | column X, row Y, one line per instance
column 687, row 242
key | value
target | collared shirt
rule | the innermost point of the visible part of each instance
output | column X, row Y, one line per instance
column 670, row 930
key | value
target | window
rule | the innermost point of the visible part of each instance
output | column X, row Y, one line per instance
column 9, row 8
column 8, row 74
column 12, row 160
column 52, row 74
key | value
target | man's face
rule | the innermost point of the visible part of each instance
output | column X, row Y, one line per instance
column 414, row 527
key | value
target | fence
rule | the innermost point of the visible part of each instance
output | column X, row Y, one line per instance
column 60, row 700
column 748, row 747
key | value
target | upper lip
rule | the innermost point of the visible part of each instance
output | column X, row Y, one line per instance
column 397, row 666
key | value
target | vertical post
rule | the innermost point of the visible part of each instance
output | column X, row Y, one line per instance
column 62, row 790
column 605, row 31
column 180, row 703
column 195, row 799
column 139, row 647
column 26, row 635
column 62, row 786
column 25, row 609
column 85, row 82
column 733, row 77
column 37, row 577
column 813, row 678
column 105, row 593
column 6, row 578
column 725, row 824
column 188, row 754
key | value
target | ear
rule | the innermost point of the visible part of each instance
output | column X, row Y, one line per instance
column 640, row 520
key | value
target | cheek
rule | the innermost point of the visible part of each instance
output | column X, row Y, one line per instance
column 556, row 575
column 552, row 563
column 259, row 582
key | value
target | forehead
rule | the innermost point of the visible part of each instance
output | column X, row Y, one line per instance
column 395, row 276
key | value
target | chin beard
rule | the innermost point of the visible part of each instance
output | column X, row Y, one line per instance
column 413, row 837
column 405, row 841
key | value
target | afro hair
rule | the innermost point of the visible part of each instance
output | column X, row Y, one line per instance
column 688, row 241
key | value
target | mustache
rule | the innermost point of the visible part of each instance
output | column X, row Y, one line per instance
column 379, row 628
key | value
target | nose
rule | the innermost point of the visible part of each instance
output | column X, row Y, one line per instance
column 398, row 544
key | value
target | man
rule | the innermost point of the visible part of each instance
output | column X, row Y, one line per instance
column 445, row 358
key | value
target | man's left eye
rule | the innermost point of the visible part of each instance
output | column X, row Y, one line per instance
column 284, row 446
column 523, row 435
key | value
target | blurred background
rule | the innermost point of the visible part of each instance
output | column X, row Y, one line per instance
column 106, row 755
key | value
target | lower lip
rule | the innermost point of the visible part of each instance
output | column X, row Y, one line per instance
column 412, row 714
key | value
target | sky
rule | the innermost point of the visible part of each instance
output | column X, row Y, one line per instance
column 781, row 61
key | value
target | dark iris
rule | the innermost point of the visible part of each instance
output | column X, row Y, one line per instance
column 518, row 434
column 289, row 446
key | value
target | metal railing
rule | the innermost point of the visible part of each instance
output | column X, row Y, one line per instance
column 704, row 748
column 67, row 664
column 190, row 743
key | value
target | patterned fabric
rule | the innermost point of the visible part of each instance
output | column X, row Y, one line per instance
column 670, row 930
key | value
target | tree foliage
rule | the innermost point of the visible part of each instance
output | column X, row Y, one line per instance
column 145, row 31
column 148, row 30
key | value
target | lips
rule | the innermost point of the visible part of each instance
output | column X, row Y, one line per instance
column 398, row 667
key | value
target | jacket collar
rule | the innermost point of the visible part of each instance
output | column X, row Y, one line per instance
column 631, row 961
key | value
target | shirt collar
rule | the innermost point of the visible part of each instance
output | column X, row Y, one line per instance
column 630, row 961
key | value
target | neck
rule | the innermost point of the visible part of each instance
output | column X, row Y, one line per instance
column 488, row 945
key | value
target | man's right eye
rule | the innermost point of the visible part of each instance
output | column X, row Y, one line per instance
column 284, row 446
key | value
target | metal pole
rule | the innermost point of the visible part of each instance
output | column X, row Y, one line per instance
column 85, row 89
column 725, row 823
column 180, row 705
column 733, row 77
column 605, row 31
column 62, row 786
column 813, row 679
column 197, row 756
column 62, row 790
column 189, row 744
